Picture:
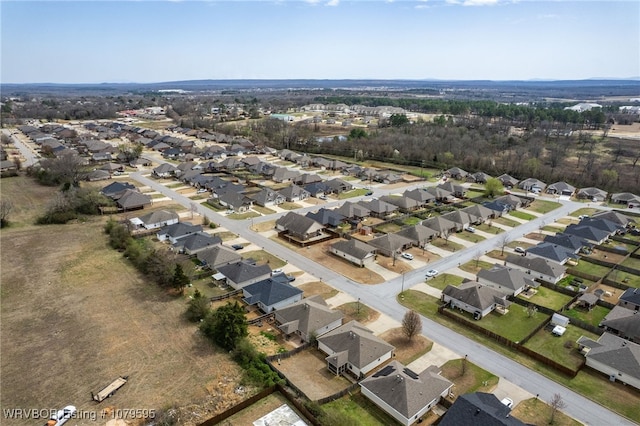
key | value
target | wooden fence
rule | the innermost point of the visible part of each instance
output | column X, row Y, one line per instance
column 226, row 295
column 338, row 395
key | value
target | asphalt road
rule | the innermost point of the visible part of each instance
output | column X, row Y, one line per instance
column 30, row 157
column 382, row 297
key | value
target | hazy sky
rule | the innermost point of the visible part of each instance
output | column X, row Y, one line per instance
column 153, row 41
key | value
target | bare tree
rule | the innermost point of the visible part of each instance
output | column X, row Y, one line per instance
column 476, row 256
column 504, row 240
column 411, row 324
column 556, row 403
column 445, row 234
column 5, row 208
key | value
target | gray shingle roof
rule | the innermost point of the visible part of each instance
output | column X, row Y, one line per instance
column 512, row 279
column 241, row 272
column 479, row 409
column 474, row 294
column 625, row 321
column 355, row 248
column 269, row 292
column 537, row 264
column 307, row 315
column 615, row 352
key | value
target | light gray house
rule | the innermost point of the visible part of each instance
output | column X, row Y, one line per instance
column 307, row 318
column 243, row 273
column 403, row 394
column 475, row 298
column 507, row 280
column 594, row 194
column 561, row 188
column 355, row 251
column 271, row 294
column 537, row 267
column 613, row 356
column 156, row 219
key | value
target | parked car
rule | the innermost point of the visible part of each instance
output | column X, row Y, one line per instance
column 277, row 272
column 291, row 278
column 62, row 416
column 519, row 250
column 431, row 273
column 237, row 246
column 201, row 190
column 407, row 256
column 369, row 193
column 322, row 197
column 508, row 402
column 471, row 229
column 583, row 216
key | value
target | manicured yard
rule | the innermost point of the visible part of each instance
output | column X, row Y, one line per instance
column 206, row 287
column 263, row 210
column 592, row 268
column 241, row 216
column 261, row 257
column 584, row 211
column 356, row 409
column 554, row 229
column 548, row 298
column 472, row 193
column 443, row 280
column 626, row 278
column 543, row 206
column 289, row 206
column 473, row 266
column 506, row 221
column 593, row 316
column 447, row 245
column 412, row 220
column 469, row 236
column 553, row 347
column 388, row 228
column 353, row 193
column 536, row 412
column 486, row 227
column 358, row 311
column 515, row 325
column 522, row 215
column 474, row 379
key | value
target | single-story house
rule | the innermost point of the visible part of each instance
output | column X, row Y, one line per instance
column 552, row 252
column 156, row 219
column 217, row 256
column 355, row 251
column 353, row 348
column 625, row 198
column 164, row 170
column 194, row 243
column 241, row 274
column 630, row 299
column 389, row 244
column 561, row 188
column 593, row 194
column 178, row 230
column 379, row 208
column 327, row 217
column 132, row 200
column 240, row 203
column 456, row 173
column 458, row 191
column 271, row 294
column 307, row 318
column 115, row 188
column 294, row 193
column 422, row 196
column 538, row 267
column 510, row 281
column 299, row 227
column 267, row 197
column 587, row 232
column 403, row 394
column 475, row 298
column 614, row 356
column 623, row 322
column 479, row 177
column 532, row 185
column 508, row 181
column 479, row 409
column 420, row 235
column 353, row 210
column 441, row 225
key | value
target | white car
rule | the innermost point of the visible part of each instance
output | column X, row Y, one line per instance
column 407, row 256
column 508, row 402
column 519, row 250
column 277, row 272
column 471, row 229
column 431, row 273
column 63, row 415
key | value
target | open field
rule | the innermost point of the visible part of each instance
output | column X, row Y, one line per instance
column 75, row 315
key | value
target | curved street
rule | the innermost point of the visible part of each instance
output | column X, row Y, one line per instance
column 382, row 297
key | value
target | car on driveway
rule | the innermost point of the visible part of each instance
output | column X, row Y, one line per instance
column 431, row 273
column 277, row 272
column 407, row 256
column 508, row 402
column 369, row 193
column 471, row 229
column 237, row 246
column 519, row 250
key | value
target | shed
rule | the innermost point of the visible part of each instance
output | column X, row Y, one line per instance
column 560, row 320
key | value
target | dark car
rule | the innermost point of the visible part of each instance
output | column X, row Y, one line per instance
column 369, row 193
column 291, row 278
column 237, row 246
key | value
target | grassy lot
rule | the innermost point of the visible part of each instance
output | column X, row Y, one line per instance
column 522, row 215
column 506, row 221
column 554, row 229
column 447, row 245
column 543, row 206
column 27, row 205
column 594, row 386
column 318, row 287
column 388, row 228
column 226, row 235
column 358, row 311
column 589, row 211
column 406, row 351
column 264, row 226
column 214, row 208
column 486, row 227
column 242, row 216
column 535, row 412
column 474, row 266
column 263, row 210
column 547, row 298
column 206, row 287
column 289, row 206
column 474, row 378
column 353, row 193
column 176, row 185
column 472, row 193
column 592, row 269
column 262, row 257
column 356, row 409
column 470, row 236
column 593, row 316
column 443, row 280
column 515, row 325
column 412, row 220
column 562, row 349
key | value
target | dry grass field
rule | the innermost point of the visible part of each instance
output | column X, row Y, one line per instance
column 75, row 315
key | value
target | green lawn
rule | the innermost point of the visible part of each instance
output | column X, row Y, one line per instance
column 262, row 257
column 388, row 228
column 593, row 316
column 412, row 220
column 486, row 227
column 555, row 229
column 474, row 379
column 472, row 193
column 522, row 215
column 626, row 278
column 592, row 268
column 473, row 266
column 470, row 236
column 515, row 325
column 353, row 193
column 289, row 206
column 443, row 280
column 447, row 245
column 553, row 347
column 543, row 206
column 506, row 221
column 547, row 298
column 355, row 409
column 206, row 286
column 241, row 216
column 226, row 235
column 584, row 211
column 263, row 210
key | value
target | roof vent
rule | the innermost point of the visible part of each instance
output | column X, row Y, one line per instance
column 477, row 411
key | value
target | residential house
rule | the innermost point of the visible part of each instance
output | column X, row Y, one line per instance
column 178, row 230
column 156, row 219
column 236, row 201
column 326, row 217
column 267, row 197
column 299, row 227
column 405, row 204
column 353, row 348
column 308, row 318
column 456, row 173
column 194, row 243
column 475, row 298
column 294, row 193
column 440, row 194
column 456, row 190
column 511, row 281
column 379, row 208
column 355, row 251
column 218, row 256
column 552, row 252
column 630, row 299
column 442, row 226
column 391, row 244
column 403, row 394
column 461, row 219
column 241, row 274
column 271, row 294
column 570, row 241
column 625, row 198
column 132, row 200
column 613, row 356
column 561, row 188
column 116, row 188
column 539, row 268
column 479, row 213
column 614, row 216
column 422, row 196
column 317, row 188
column 164, row 170
column 419, row 235
column 623, row 322
column 594, row 194
column 532, row 185
column 508, row 181
column 604, row 224
column 338, row 186
column 352, row 210
column 282, row 174
column 592, row 234
column 307, row 178
column 479, row 177
column 479, row 409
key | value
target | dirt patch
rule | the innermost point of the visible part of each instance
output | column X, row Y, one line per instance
column 538, row 236
column 607, row 256
column 610, row 294
column 358, row 311
column 318, row 288
column 308, row 371
column 398, row 266
column 268, row 339
column 76, row 315
column 406, row 350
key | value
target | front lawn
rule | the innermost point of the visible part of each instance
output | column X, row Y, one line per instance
column 353, row 193
column 515, row 325
column 241, row 216
column 470, row 236
column 561, row 349
column 447, row 245
column 289, row 206
column 584, row 211
column 593, row 316
column 443, row 280
column 554, row 229
column 506, row 221
column 262, row 257
column 263, row 210
column 468, row 377
column 536, row 412
column 522, row 215
column 488, row 228
column 543, row 206
column 474, row 266
column 547, row 298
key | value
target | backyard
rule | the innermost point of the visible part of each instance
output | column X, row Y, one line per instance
column 562, row 349
column 547, row 298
